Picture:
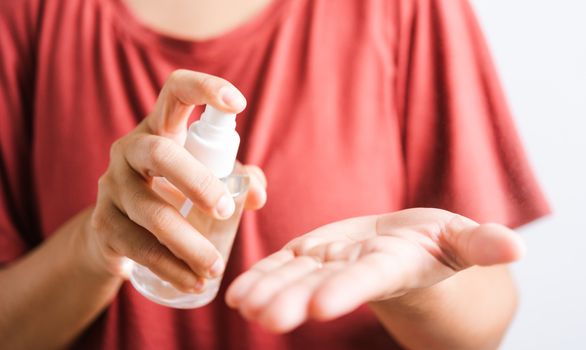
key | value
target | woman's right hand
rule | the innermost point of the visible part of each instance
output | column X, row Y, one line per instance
column 131, row 220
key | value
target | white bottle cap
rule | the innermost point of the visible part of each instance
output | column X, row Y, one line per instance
column 218, row 118
column 214, row 142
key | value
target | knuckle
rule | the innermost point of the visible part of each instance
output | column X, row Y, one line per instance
column 135, row 205
column 116, row 149
column 176, row 75
column 207, row 83
column 103, row 224
column 160, row 150
column 141, row 141
column 104, row 183
column 162, row 219
column 136, row 198
column 205, row 186
column 99, row 221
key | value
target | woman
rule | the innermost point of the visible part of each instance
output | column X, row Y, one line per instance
column 354, row 108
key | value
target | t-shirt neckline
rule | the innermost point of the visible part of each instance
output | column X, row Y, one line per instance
column 198, row 49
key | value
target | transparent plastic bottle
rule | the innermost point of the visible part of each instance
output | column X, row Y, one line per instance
column 214, row 142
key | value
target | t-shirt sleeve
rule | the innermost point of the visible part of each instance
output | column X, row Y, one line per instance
column 462, row 151
column 17, row 23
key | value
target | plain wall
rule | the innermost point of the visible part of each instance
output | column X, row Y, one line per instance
column 540, row 49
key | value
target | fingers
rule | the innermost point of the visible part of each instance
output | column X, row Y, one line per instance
column 350, row 230
column 484, row 245
column 172, row 230
column 157, row 156
column 257, row 194
column 289, row 306
column 455, row 241
column 241, row 286
column 257, row 173
column 276, row 291
column 163, row 240
column 269, row 284
column 185, row 89
column 360, row 282
column 126, row 238
column 281, row 263
column 299, row 290
column 407, row 251
column 182, row 91
column 283, row 291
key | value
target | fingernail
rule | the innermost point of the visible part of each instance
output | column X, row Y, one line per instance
column 232, row 97
column 225, row 207
column 217, row 268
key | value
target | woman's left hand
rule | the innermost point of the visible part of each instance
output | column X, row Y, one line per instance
column 336, row 268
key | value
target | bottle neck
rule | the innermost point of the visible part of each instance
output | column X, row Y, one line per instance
column 213, row 146
column 210, row 132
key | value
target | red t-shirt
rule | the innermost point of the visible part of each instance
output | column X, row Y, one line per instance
column 354, row 107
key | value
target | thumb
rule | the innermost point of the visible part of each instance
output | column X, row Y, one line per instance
column 185, row 89
column 484, row 245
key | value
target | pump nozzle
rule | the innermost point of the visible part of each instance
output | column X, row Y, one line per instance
column 214, row 141
column 218, row 118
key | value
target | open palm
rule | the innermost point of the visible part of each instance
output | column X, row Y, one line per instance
column 338, row 267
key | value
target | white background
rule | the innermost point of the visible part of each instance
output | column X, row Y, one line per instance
column 540, row 49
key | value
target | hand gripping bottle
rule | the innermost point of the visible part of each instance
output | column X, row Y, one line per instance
column 214, row 142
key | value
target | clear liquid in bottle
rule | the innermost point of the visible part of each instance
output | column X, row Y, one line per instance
column 220, row 233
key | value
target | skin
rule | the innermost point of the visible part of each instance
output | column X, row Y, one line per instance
column 195, row 19
column 431, row 306
column 418, row 269
column 75, row 274
column 422, row 271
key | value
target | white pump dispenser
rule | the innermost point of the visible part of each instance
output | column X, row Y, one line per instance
column 214, row 142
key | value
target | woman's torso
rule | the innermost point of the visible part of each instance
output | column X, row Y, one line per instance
column 321, row 121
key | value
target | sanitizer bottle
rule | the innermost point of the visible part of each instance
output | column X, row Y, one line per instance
column 214, row 142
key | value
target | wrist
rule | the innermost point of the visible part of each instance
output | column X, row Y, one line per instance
column 91, row 258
